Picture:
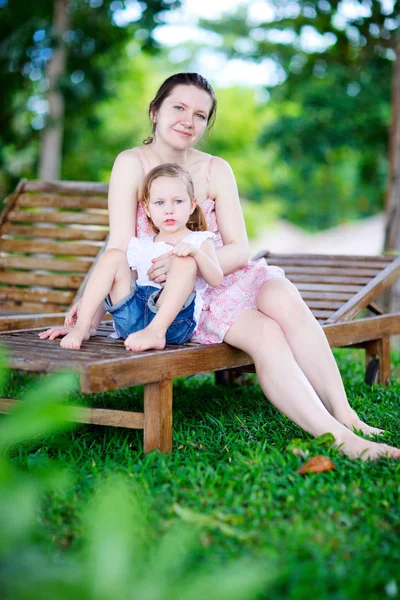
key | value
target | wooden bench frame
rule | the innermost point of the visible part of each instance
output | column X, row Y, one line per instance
column 115, row 369
column 110, row 367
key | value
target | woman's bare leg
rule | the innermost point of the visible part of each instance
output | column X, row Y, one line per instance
column 280, row 300
column 179, row 286
column 286, row 386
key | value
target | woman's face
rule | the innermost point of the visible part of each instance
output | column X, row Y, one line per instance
column 183, row 116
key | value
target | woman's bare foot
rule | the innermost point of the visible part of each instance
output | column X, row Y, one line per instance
column 356, row 447
column 74, row 339
column 146, row 339
column 354, row 422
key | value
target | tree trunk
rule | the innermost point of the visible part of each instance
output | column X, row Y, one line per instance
column 392, row 231
column 52, row 135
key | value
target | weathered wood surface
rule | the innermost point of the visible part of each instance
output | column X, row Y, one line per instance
column 357, row 280
column 104, row 364
column 87, row 188
column 50, row 236
column 158, row 416
column 93, row 416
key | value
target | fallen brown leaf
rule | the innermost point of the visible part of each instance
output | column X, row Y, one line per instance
column 316, row 464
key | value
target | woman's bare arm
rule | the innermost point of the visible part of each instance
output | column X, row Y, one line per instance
column 125, row 185
column 235, row 252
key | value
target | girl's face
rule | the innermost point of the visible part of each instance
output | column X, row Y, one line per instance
column 183, row 116
column 170, row 205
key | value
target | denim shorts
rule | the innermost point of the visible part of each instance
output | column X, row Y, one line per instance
column 138, row 309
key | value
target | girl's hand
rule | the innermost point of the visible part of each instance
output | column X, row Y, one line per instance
column 159, row 271
column 72, row 315
column 183, row 249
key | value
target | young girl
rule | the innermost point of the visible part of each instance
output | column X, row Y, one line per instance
column 145, row 314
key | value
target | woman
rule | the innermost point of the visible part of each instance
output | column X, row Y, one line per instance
column 256, row 309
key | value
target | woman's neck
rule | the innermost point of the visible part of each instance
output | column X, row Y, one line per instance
column 165, row 154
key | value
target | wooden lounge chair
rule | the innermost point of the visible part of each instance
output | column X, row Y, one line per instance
column 336, row 288
column 50, row 236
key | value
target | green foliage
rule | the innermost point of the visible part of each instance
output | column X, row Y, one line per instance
column 225, row 515
column 118, row 557
column 95, row 40
column 332, row 116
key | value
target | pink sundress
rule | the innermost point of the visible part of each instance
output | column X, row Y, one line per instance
column 238, row 291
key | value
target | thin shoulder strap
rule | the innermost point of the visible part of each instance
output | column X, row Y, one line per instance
column 136, row 151
column 210, row 162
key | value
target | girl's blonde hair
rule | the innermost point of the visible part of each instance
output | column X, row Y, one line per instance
column 197, row 220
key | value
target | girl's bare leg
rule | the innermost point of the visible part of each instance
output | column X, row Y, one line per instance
column 286, row 386
column 280, row 300
column 111, row 275
column 178, row 287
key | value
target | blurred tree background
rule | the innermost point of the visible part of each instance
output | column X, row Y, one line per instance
column 311, row 144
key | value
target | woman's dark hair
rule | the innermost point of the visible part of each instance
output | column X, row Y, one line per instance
column 166, row 89
column 197, row 220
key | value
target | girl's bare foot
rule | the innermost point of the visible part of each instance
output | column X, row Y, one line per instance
column 146, row 339
column 74, row 339
column 356, row 447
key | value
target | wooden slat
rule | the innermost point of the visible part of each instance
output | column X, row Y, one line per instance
column 10, row 201
column 76, row 265
column 375, row 265
column 61, row 233
column 67, row 187
column 328, row 259
column 329, row 295
column 332, row 270
column 321, row 314
column 47, row 280
column 327, row 287
column 93, row 416
column 60, row 248
column 325, row 304
column 44, row 297
column 61, row 201
column 30, row 307
column 77, row 218
column 328, row 279
column 375, row 287
column 24, row 322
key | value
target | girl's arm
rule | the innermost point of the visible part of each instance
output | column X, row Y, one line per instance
column 208, row 265
column 223, row 189
column 205, row 257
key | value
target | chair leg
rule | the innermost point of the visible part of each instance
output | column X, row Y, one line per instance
column 158, row 416
column 381, row 349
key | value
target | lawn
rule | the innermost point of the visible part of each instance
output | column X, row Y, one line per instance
column 225, row 515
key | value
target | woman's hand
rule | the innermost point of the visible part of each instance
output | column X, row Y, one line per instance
column 161, row 265
column 55, row 332
column 72, row 314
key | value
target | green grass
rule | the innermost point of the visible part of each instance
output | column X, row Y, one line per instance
column 333, row 535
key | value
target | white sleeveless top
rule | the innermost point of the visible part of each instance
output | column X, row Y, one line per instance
column 142, row 250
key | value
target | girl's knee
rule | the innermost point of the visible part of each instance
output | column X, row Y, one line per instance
column 113, row 256
column 186, row 264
